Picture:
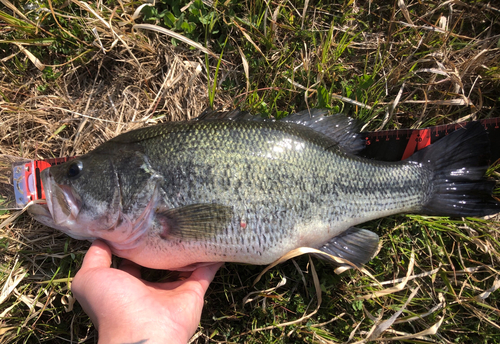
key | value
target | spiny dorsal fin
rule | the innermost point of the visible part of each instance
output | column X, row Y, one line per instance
column 195, row 221
column 340, row 128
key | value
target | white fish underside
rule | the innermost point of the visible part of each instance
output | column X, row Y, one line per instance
column 179, row 194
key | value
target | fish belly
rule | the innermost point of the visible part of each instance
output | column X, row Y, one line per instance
column 286, row 191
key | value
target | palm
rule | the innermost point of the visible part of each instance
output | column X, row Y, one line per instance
column 121, row 298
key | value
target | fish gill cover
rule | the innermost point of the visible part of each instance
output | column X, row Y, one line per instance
column 75, row 75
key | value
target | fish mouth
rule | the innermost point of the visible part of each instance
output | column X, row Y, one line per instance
column 41, row 213
column 63, row 202
column 64, row 210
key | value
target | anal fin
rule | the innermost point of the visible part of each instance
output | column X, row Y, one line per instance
column 356, row 245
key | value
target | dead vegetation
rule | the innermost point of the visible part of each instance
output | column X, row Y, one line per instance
column 75, row 74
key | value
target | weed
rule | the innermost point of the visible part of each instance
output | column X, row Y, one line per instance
column 75, row 74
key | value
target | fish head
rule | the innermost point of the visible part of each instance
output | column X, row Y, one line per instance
column 110, row 193
column 82, row 196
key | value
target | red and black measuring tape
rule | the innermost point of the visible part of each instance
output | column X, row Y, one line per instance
column 26, row 180
column 395, row 145
column 389, row 145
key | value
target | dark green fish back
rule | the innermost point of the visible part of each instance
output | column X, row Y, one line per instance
column 243, row 130
column 252, row 190
column 283, row 181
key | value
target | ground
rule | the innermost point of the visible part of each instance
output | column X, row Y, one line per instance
column 75, row 74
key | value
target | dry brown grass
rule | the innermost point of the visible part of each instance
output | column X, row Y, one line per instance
column 427, row 69
column 92, row 103
column 140, row 80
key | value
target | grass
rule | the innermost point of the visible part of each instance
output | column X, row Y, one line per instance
column 75, row 74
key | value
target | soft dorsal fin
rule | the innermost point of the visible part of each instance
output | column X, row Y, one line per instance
column 340, row 128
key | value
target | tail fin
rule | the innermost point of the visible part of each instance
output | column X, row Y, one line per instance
column 458, row 163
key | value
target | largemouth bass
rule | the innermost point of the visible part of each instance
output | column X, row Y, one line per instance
column 236, row 189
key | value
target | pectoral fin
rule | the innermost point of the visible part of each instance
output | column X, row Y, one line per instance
column 195, row 221
column 355, row 245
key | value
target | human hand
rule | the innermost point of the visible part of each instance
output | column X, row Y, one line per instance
column 126, row 309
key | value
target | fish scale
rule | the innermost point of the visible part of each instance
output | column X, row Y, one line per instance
column 273, row 159
column 187, row 193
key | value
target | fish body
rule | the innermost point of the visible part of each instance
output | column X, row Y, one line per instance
column 179, row 194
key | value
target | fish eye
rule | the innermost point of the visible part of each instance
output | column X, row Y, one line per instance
column 74, row 169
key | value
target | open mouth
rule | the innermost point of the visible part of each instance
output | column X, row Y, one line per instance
column 41, row 213
column 62, row 202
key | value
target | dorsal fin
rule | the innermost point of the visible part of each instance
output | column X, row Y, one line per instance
column 340, row 128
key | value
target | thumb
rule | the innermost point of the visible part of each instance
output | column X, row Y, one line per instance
column 98, row 256
column 205, row 275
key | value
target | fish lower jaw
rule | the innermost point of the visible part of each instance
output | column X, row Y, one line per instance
column 64, row 223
